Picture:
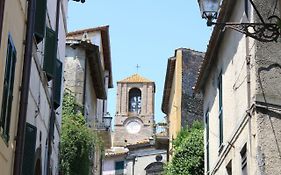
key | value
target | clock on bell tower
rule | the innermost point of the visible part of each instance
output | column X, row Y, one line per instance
column 134, row 119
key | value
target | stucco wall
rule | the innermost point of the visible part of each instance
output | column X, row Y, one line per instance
column 142, row 162
column 231, row 62
column 268, row 95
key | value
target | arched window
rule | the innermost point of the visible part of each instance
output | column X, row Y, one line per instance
column 135, row 100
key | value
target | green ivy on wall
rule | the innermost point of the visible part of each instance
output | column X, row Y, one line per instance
column 188, row 157
column 77, row 140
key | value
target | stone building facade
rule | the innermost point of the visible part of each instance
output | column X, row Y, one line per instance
column 240, row 82
column 88, row 76
column 179, row 103
column 134, row 119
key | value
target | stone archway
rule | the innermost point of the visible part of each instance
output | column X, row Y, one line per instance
column 155, row 168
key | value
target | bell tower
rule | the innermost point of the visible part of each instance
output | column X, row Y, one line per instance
column 134, row 119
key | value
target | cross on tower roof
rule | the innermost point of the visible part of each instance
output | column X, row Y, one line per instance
column 137, row 66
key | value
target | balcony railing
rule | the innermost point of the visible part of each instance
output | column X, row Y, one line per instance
column 162, row 130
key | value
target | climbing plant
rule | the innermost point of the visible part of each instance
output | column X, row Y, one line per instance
column 77, row 140
column 188, row 147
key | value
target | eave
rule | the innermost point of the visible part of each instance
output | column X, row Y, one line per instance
column 105, row 45
column 214, row 44
column 95, row 65
column 168, row 84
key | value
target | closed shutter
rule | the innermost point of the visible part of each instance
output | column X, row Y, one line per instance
column 7, row 97
column 57, row 85
column 40, row 20
column 29, row 150
column 50, row 53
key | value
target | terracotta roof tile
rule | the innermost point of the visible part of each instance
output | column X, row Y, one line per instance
column 136, row 78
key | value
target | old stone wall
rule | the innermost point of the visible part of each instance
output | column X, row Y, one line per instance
column 192, row 105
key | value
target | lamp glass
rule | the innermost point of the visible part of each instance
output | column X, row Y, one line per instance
column 107, row 121
column 209, row 8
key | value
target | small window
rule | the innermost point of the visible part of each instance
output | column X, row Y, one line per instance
column 119, row 168
column 220, row 109
column 2, row 4
column 243, row 154
column 8, row 86
column 135, row 100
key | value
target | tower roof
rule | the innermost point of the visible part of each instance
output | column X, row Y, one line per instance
column 135, row 78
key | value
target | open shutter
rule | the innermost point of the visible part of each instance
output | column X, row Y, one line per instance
column 40, row 20
column 50, row 53
column 29, row 150
column 57, row 85
column 7, row 97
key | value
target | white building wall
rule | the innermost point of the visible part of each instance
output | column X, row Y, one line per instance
column 38, row 111
column 231, row 62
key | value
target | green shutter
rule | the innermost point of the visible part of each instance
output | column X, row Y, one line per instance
column 50, row 53
column 57, row 85
column 29, row 149
column 7, row 97
column 40, row 20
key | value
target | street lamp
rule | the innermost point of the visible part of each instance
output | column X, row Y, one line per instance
column 82, row 1
column 107, row 120
column 264, row 32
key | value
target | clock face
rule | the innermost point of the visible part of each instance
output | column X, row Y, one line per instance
column 133, row 127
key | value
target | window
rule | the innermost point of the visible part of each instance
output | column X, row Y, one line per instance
column 207, row 142
column 8, row 86
column 50, row 53
column 40, row 20
column 229, row 168
column 119, row 168
column 2, row 4
column 135, row 100
column 220, row 110
column 243, row 154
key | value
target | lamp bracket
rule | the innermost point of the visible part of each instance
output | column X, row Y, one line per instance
column 264, row 32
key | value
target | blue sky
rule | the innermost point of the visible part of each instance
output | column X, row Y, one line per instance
column 144, row 32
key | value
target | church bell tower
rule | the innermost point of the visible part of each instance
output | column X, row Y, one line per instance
column 134, row 119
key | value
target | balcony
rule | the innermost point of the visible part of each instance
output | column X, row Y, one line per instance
column 104, row 129
column 162, row 136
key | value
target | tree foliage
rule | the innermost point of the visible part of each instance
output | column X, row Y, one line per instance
column 188, row 158
column 77, row 140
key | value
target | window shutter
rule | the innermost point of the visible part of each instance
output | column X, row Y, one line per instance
column 29, row 149
column 7, row 98
column 40, row 20
column 50, row 53
column 57, row 85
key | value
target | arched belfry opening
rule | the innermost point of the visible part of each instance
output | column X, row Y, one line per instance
column 135, row 100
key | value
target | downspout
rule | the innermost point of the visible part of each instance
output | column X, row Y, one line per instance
column 52, row 110
column 248, row 63
column 20, row 137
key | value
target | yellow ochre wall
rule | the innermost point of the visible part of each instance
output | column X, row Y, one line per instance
column 14, row 25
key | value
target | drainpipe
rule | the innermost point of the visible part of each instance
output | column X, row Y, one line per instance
column 20, row 137
column 52, row 110
column 248, row 63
